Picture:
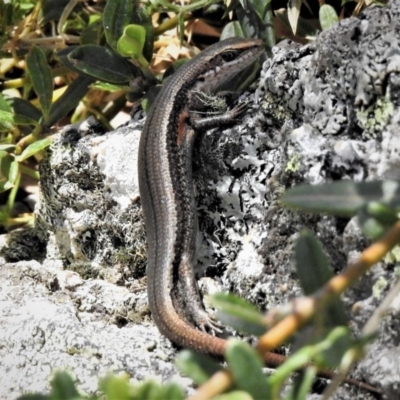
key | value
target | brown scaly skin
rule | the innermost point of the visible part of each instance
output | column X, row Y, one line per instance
column 166, row 189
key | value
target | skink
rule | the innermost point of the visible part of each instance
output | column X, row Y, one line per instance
column 165, row 182
column 167, row 197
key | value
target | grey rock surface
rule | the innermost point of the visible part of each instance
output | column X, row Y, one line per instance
column 328, row 111
column 51, row 319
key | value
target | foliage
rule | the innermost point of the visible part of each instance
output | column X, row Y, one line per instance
column 46, row 76
column 57, row 54
column 376, row 204
column 112, row 387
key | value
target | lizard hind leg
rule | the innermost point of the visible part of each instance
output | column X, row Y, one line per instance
column 193, row 307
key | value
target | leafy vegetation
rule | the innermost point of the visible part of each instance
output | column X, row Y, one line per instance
column 60, row 59
column 59, row 62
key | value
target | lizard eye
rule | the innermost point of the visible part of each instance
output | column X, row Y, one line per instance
column 228, row 56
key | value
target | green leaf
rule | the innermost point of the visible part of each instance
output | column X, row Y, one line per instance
column 141, row 16
column 312, row 265
column 197, row 367
column 295, row 362
column 234, row 395
column 23, row 120
column 92, row 34
column 260, row 7
column 302, row 385
column 4, row 105
column 131, row 43
column 246, row 367
column 13, row 172
column 339, row 341
column 382, row 212
column 101, row 63
column 32, row 396
column 117, row 14
column 6, row 121
column 7, row 147
column 257, row 20
column 149, row 390
column 327, row 16
column 343, row 198
column 170, row 391
column 63, row 387
column 41, row 79
column 109, row 87
column 69, row 99
column 34, row 148
column 327, row 353
column 9, row 172
column 10, row 118
column 116, row 387
column 25, row 109
column 6, row 115
column 314, row 271
column 62, row 55
column 238, row 313
column 376, row 218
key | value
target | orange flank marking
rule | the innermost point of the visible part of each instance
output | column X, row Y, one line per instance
column 181, row 127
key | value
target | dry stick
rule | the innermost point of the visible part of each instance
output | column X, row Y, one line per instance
column 305, row 308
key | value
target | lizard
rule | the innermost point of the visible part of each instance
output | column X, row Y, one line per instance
column 167, row 195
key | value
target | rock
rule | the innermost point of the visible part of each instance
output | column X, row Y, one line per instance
column 327, row 111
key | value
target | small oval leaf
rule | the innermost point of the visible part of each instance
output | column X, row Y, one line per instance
column 6, row 121
column 34, row 148
column 197, row 367
column 102, row 63
column 25, row 108
column 6, row 115
column 117, row 14
column 116, row 387
column 141, row 16
column 41, row 79
column 131, row 43
column 327, row 16
column 32, row 396
column 93, row 33
column 246, row 367
column 314, row 271
column 69, row 99
column 343, row 198
column 238, row 313
column 4, row 105
column 312, row 265
column 149, row 390
column 234, row 395
column 170, row 391
column 7, row 172
column 7, row 147
column 63, row 387
column 14, row 172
